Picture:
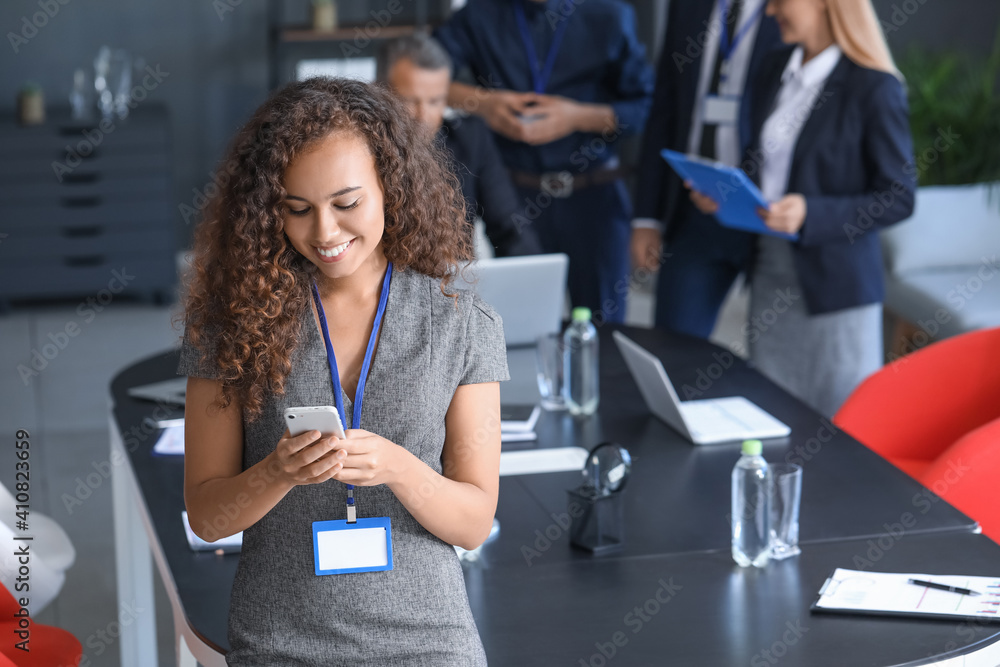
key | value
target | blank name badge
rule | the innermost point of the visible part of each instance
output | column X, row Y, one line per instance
column 364, row 546
column 721, row 110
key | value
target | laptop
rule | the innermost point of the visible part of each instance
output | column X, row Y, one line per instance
column 528, row 291
column 170, row 392
column 703, row 422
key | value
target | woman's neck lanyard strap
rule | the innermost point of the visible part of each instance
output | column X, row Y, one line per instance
column 335, row 374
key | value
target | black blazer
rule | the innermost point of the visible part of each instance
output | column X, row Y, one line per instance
column 658, row 188
column 854, row 164
column 486, row 186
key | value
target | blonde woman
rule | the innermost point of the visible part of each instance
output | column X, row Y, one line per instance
column 830, row 149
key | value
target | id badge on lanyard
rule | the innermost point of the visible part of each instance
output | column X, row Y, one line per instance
column 363, row 546
column 352, row 545
column 721, row 109
column 725, row 109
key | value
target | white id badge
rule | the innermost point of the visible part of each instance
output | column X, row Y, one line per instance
column 719, row 110
column 364, row 546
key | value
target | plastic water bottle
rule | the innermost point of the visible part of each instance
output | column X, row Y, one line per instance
column 751, row 510
column 580, row 386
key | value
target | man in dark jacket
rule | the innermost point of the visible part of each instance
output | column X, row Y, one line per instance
column 711, row 53
column 419, row 70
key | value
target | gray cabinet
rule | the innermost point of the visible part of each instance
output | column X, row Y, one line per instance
column 87, row 207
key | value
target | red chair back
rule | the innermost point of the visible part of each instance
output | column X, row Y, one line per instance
column 49, row 646
column 918, row 405
column 966, row 476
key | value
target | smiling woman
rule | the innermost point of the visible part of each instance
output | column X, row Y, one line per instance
column 342, row 229
column 322, row 278
column 253, row 314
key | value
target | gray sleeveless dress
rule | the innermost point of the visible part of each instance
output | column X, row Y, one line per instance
column 281, row 613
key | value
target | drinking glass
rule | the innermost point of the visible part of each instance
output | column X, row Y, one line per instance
column 549, row 358
column 786, row 479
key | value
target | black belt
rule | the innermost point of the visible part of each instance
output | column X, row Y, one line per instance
column 561, row 184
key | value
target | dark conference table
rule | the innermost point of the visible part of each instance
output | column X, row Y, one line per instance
column 537, row 601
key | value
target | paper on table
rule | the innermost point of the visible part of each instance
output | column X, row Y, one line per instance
column 517, row 436
column 519, row 418
column 531, row 461
column 229, row 544
column 171, row 441
column 891, row 593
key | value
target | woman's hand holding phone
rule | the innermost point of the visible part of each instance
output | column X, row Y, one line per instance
column 363, row 458
column 355, row 456
column 370, row 459
column 309, row 458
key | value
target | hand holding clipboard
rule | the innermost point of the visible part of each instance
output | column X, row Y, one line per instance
column 739, row 202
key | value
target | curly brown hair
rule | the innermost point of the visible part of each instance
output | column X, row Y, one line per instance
column 249, row 287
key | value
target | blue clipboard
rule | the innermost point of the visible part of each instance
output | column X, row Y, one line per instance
column 737, row 195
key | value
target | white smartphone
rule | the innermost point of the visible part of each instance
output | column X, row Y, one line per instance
column 322, row 418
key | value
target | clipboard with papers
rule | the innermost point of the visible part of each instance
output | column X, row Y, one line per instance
column 893, row 594
column 736, row 194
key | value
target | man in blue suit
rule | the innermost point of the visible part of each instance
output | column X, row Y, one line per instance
column 710, row 53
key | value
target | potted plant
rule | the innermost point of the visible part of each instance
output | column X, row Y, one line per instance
column 954, row 116
column 955, row 121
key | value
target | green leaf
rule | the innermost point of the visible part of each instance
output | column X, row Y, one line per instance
column 954, row 90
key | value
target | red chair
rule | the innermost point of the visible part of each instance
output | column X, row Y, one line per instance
column 49, row 646
column 966, row 476
column 914, row 408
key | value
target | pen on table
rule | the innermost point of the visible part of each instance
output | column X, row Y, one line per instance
column 942, row 587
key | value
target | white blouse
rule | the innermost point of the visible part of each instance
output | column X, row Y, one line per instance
column 799, row 94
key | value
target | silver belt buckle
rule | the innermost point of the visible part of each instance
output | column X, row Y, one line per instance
column 558, row 184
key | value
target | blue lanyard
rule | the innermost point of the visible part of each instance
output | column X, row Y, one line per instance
column 359, row 394
column 540, row 78
column 725, row 46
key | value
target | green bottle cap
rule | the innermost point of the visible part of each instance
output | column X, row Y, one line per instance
column 581, row 314
column 752, row 447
